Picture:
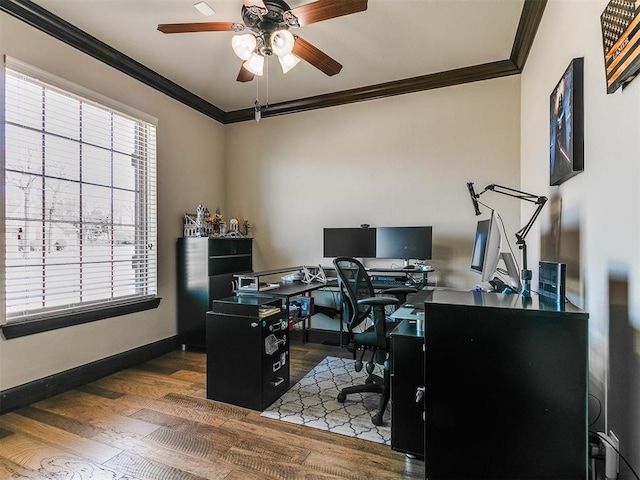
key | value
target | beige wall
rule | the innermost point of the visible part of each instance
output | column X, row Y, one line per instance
column 190, row 170
column 397, row 161
column 603, row 201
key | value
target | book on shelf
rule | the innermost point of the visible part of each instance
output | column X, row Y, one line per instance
column 267, row 311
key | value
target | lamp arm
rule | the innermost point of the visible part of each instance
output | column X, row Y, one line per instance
column 522, row 233
column 525, row 230
column 528, row 197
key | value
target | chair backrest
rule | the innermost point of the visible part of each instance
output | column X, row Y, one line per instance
column 355, row 284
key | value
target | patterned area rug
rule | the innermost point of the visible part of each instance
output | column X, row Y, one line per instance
column 312, row 402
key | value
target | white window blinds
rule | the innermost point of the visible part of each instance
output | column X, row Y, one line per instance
column 80, row 205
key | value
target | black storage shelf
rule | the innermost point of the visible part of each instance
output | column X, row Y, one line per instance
column 205, row 269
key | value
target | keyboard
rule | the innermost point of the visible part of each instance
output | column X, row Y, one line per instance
column 383, row 284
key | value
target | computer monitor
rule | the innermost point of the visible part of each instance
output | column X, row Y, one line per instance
column 349, row 242
column 486, row 248
column 406, row 243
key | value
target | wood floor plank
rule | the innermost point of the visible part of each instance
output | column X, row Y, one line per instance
column 145, row 456
column 145, row 468
column 211, row 417
column 68, row 442
column 97, row 413
column 144, row 384
column 71, row 425
column 39, row 460
column 273, row 468
column 8, row 469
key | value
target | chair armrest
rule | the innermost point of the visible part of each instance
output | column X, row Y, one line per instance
column 400, row 290
column 378, row 301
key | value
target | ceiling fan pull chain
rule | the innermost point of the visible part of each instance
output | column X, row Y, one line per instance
column 256, row 104
column 267, row 103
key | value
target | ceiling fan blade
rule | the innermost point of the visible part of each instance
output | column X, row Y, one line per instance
column 315, row 57
column 259, row 3
column 196, row 27
column 325, row 9
column 244, row 75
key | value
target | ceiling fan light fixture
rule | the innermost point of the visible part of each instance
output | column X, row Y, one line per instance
column 288, row 61
column 255, row 64
column 243, row 45
column 282, row 42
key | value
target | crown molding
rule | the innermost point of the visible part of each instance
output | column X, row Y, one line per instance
column 43, row 20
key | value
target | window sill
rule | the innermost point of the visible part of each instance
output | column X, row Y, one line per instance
column 30, row 327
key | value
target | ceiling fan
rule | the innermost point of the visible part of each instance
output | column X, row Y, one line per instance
column 268, row 23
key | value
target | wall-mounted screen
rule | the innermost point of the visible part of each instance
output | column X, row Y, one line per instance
column 403, row 242
column 349, row 242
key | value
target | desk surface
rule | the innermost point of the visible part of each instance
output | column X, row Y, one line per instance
column 289, row 289
column 440, row 296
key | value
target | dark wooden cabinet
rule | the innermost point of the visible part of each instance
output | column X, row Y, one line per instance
column 205, row 269
column 247, row 351
column 407, row 375
column 506, row 387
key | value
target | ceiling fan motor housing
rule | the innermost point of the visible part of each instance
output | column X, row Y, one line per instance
column 265, row 24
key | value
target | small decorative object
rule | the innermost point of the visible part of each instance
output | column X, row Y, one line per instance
column 197, row 224
column 217, row 221
column 620, row 42
column 245, row 227
column 233, row 225
column 567, row 125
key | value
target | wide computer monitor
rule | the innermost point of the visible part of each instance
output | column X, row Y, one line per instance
column 486, row 254
column 349, row 242
column 486, row 248
column 406, row 243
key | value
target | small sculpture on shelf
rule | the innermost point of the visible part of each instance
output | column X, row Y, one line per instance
column 198, row 224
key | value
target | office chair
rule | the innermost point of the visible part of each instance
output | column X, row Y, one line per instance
column 367, row 327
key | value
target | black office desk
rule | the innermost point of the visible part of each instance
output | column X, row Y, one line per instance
column 506, row 387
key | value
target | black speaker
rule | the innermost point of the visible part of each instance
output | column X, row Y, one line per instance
column 552, row 278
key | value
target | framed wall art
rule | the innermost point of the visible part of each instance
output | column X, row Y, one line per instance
column 566, row 130
column 620, row 24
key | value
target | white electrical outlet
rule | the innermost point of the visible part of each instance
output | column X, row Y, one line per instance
column 611, row 445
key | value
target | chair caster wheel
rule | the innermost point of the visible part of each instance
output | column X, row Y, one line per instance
column 341, row 397
column 376, row 419
column 358, row 366
column 369, row 368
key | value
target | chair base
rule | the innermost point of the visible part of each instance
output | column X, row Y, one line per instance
column 374, row 384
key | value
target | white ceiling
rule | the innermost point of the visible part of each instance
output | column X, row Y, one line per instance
column 391, row 40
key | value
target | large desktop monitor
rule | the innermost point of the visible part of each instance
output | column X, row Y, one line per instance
column 406, row 243
column 486, row 254
column 486, row 248
column 349, row 242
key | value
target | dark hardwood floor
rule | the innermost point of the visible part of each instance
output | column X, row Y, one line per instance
column 154, row 422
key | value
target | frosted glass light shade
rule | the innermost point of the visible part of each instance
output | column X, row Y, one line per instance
column 288, row 61
column 282, row 42
column 243, row 45
column 255, row 64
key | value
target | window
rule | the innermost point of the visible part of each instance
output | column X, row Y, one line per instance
column 80, row 203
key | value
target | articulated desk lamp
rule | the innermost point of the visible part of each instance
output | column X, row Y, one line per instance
column 525, row 273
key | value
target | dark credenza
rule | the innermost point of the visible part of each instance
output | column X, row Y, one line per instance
column 506, row 387
column 247, row 352
column 205, row 268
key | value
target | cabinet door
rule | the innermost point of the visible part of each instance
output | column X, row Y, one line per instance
column 407, row 428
